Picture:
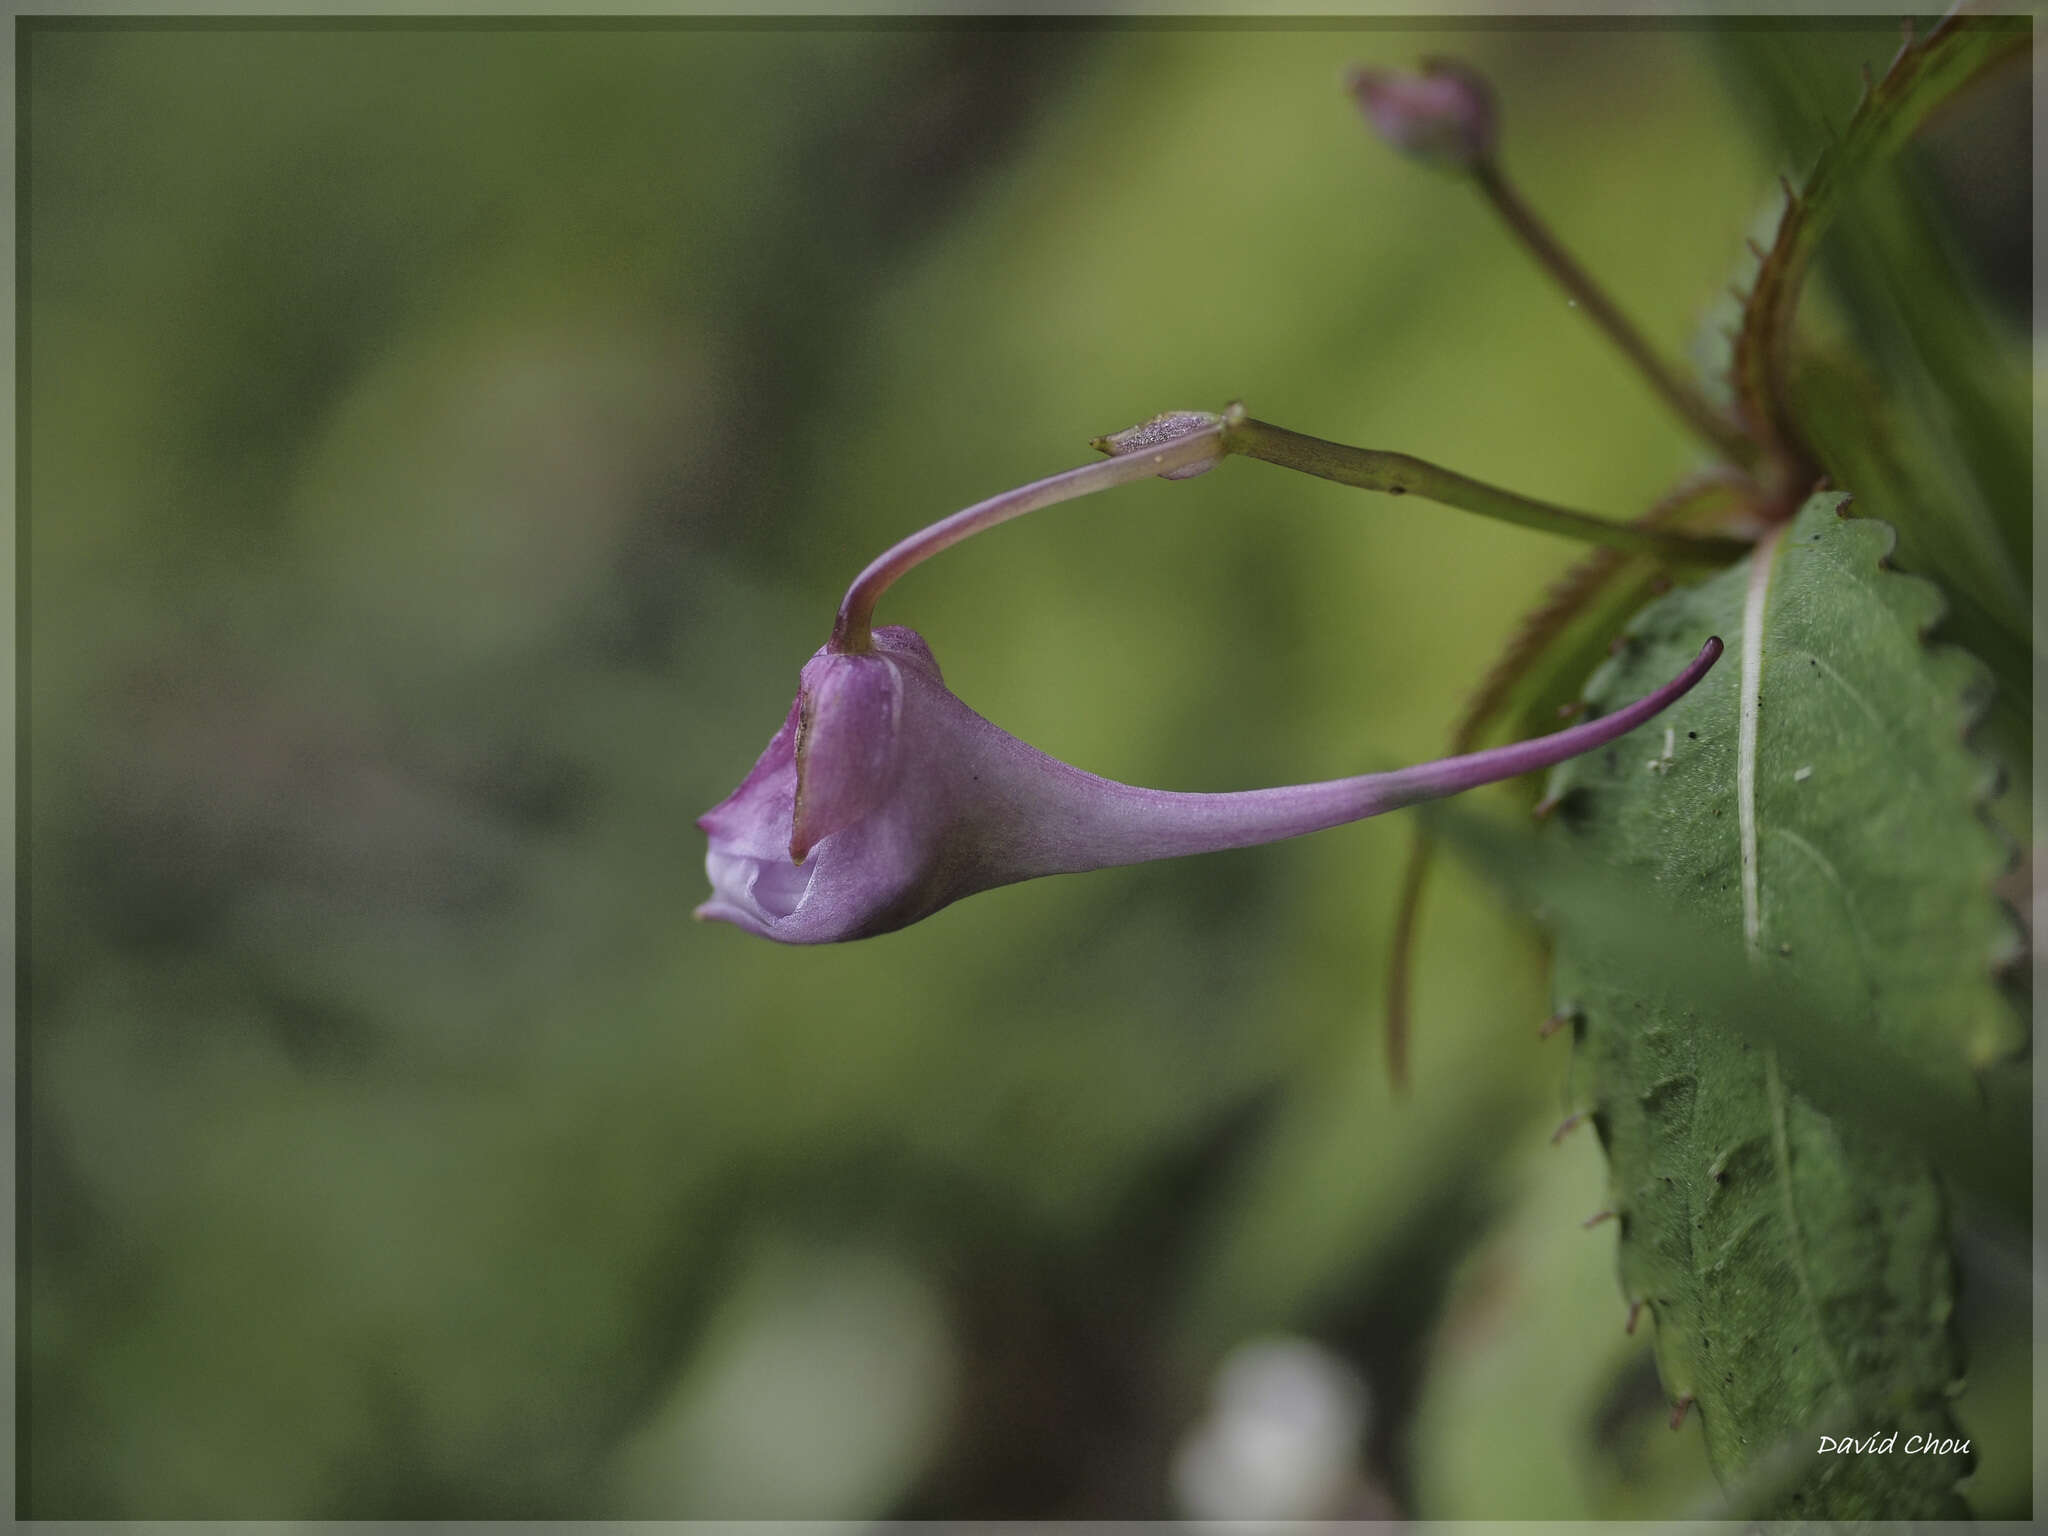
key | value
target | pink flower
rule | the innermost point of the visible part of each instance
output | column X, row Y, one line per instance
column 884, row 798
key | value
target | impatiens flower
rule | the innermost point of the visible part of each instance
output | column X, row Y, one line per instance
column 883, row 798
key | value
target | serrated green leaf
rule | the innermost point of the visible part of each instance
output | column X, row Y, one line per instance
column 1795, row 1260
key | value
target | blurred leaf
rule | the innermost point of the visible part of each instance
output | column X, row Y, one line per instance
column 1930, row 420
column 1532, row 1318
column 1922, row 77
column 818, row 1391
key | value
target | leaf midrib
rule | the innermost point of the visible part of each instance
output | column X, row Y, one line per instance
column 1755, row 611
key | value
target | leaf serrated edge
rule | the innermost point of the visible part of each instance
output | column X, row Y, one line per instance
column 1976, row 687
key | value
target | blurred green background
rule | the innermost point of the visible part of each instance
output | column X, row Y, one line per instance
column 444, row 445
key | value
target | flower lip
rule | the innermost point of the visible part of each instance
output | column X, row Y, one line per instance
column 754, row 893
column 809, row 848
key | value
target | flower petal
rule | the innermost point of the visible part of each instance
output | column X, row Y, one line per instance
column 754, row 820
column 849, row 708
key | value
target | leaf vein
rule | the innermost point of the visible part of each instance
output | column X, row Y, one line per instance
column 1865, row 948
column 1749, row 706
column 1824, row 665
column 1781, row 1158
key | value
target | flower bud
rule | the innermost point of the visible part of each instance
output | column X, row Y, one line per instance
column 1443, row 116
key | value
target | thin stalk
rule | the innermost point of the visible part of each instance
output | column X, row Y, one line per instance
column 1397, row 474
column 853, row 629
column 1691, row 406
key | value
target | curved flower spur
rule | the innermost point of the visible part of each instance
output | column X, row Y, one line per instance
column 883, row 797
